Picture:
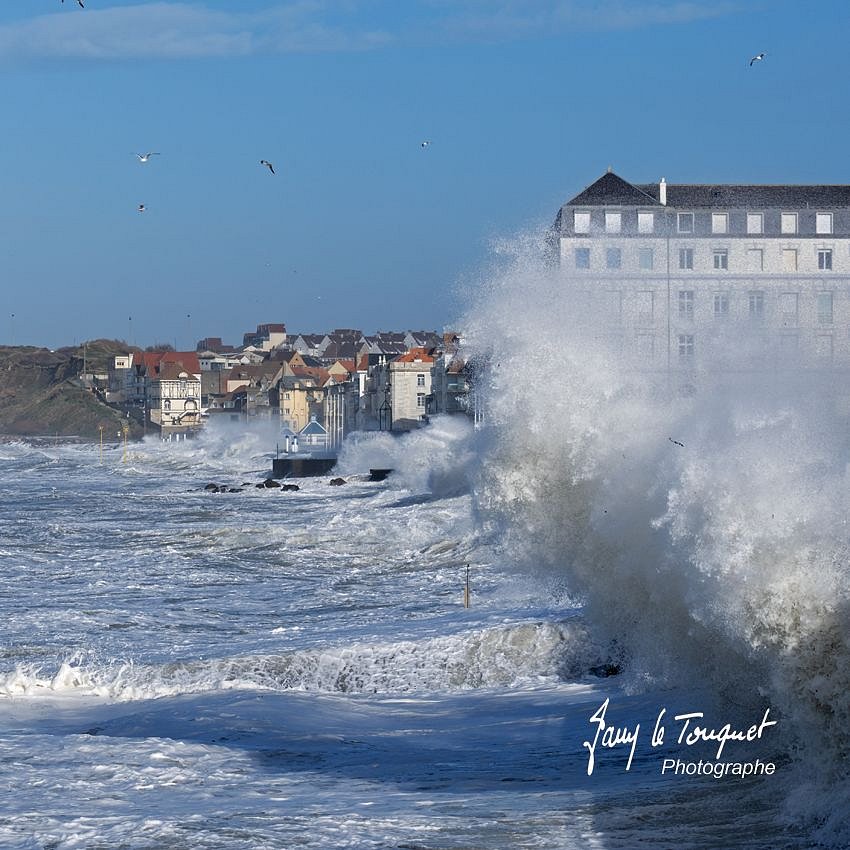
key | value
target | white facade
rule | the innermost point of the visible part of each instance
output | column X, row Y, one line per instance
column 175, row 399
column 767, row 268
column 410, row 386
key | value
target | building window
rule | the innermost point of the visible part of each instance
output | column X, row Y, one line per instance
column 582, row 258
column 823, row 223
column 823, row 347
column 614, row 305
column 613, row 222
column 789, row 223
column 825, row 308
column 420, row 399
column 613, row 258
column 825, row 259
column 646, row 222
column 420, row 380
column 756, row 305
column 645, row 307
column 646, row 258
column 755, row 222
column 721, row 258
column 719, row 223
column 686, row 345
column 721, row 305
column 789, row 259
column 581, row 222
column 789, row 343
column 686, row 222
column 645, row 346
column 686, row 258
column 755, row 259
column 686, row 304
column 788, row 303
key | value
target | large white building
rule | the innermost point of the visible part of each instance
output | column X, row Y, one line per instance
column 676, row 272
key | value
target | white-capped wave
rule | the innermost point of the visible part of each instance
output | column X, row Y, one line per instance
column 501, row 656
column 707, row 531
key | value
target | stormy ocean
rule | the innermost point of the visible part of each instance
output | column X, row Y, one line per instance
column 655, row 652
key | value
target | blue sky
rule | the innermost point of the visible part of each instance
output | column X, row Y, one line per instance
column 524, row 103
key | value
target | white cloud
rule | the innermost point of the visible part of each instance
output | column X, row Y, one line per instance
column 165, row 29
column 179, row 30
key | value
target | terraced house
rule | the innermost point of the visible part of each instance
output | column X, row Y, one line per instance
column 679, row 274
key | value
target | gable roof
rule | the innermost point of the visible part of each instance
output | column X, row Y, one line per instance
column 611, row 190
column 313, row 428
column 416, row 355
column 153, row 362
column 173, row 372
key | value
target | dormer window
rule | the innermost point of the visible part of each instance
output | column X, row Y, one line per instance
column 789, row 223
column 613, row 222
column 719, row 223
column 823, row 223
column 755, row 222
column 581, row 222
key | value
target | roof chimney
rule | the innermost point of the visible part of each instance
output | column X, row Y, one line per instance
column 662, row 191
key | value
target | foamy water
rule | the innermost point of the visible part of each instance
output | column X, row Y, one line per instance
column 267, row 669
column 705, row 531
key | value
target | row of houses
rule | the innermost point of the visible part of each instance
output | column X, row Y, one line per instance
column 672, row 275
column 331, row 383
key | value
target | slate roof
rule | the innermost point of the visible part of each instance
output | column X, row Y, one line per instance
column 732, row 195
column 612, row 190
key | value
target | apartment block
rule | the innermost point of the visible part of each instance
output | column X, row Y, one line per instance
column 678, row 274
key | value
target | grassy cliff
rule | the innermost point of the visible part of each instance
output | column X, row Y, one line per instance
column 41, row 394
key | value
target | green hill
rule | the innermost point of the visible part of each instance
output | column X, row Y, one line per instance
column 41, row 393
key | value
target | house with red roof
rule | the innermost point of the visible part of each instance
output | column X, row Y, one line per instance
column 166, row 385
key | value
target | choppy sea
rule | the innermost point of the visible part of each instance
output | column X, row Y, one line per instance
column 655, row 653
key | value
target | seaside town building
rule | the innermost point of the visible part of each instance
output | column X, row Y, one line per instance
column 162, row 388
column 742, row 275
column 329, row 384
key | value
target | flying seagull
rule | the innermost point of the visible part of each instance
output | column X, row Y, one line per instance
column 144, row 157
column 267, row 165
column 757, row 59
column 141, row 208
column 80, row 2
column 676, row 442
column 425, row 143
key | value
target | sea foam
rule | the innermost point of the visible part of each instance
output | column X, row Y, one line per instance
column 701, row 515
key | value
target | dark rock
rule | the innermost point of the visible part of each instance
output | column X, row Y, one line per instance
column 213, row 487
column 289, row 487
column 606, row 670
column 270, row 482
column 378, row 474
column 235, row 490
column 335, row 482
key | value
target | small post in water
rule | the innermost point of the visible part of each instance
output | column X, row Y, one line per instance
column 466, row 589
